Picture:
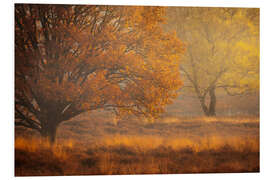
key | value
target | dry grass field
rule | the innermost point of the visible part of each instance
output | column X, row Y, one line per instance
column 89, row 146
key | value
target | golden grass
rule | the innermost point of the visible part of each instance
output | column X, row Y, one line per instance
column 145, row 143
column 37, row 144
column 139, row 153
column 238, row 120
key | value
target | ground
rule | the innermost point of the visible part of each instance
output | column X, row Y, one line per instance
column 98, row 144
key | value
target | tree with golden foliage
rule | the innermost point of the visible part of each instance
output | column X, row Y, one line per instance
column 222, row 51
column 72, row 59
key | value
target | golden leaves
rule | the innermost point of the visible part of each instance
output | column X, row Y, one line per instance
column 222, row 46
column 112, row 56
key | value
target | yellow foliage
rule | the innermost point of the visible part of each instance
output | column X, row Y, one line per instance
column 222, row 47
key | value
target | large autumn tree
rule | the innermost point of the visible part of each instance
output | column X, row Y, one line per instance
column 222, row 52
column 72, row 59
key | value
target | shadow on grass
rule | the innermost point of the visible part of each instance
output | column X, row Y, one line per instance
column 127, row 160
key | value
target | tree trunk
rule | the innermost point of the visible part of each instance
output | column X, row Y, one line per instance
column 211, row 109
column 204, row 107
column 212, row 104
column 48, row 131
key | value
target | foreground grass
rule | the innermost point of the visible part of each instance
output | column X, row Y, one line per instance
column 96, row 145
column 137, row 155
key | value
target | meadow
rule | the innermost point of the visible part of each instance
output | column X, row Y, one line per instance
column 96, row 143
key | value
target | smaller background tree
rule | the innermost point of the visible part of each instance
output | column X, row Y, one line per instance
column 222, row 52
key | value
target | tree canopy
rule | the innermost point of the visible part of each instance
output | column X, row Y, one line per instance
column 222, row 51
column 72, row 59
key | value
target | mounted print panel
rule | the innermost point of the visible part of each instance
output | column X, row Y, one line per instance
column 103, row 90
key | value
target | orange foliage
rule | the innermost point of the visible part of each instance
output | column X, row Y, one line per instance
column 72, row 59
